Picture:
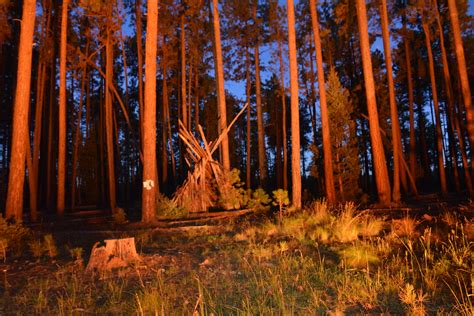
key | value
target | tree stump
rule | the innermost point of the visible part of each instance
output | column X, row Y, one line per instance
column 117, row 253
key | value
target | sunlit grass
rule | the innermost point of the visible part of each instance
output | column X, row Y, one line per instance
column 341, row 262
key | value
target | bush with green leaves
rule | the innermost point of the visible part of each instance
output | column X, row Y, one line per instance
column 167, row 208
column 280, row 199
column 232, row 194
column 260, row 200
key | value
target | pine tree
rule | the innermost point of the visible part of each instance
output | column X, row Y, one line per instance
column 343, row 139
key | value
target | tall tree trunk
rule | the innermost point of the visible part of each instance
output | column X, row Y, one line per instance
column 149, row 123
column 378, row 155
column 196, row 93
column 450, row 98
column 249, row 127
column 412, row 153
column 328, row 168
column 78, row 134
column 182, row 43
column 295, row 118
column 283, row 109
column 439, row 133
column 138, row 25
column 109, row 121
column 462, row 69
column 164, row 118
column 16, row 178
column 396, row 134
column 33, row 172
column 262, row 166
column 221, row 104
column 62, row 111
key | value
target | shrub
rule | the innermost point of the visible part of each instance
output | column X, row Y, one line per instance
column 280, row 199
column 167, row 208
column 259, row 200
column 13, row 236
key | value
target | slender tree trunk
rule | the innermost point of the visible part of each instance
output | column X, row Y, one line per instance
column 396, row 134
column 221, row 104
column 62, row 111
column 16, row 178
column 283, row 110
column 149, row 123
column 328, row 168
column 196, row 94
column 138, row 25
column 249, row 130
column 164, row 151
column 378, row 155
column 262, row 166
column 36, row 142
column 77, row 135
column 411, row 106
column 109, row 121
column 450, row 98
column 462, row 69
column 182, row 42
column 439, row 133
column 295, row 118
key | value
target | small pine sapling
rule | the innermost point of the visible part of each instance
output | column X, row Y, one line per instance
column 280, row 199
column 260, row 200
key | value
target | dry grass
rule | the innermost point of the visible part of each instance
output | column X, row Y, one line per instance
column 405, row 227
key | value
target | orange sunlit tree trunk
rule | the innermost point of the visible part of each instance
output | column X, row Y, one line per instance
column 221, row 104
column 328, row 168
column 149, row 116
column 462, row 69
column 396, row 134
column 439, row 133
column 378, row 155
column 262, row 165
column 62, row 111
column 16, row 178
column 295, row 118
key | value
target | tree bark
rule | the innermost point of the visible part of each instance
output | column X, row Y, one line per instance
column 138, row 24
column 262, row 165
column 182, row 42
column 16, row 178
column 462, row 69
column 249, row 127
column 149, row 117
column 62, row 111
column 378, row 155
column 450, row 112
column 396, row 134
column 439, row 133
column 221, row 104
column 328, row 167
column 411, row 106
column 283, row 110
column 109, row 137
column 295, row 118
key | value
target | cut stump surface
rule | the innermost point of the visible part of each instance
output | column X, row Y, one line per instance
column 117, row 253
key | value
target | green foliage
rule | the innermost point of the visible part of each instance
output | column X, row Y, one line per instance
column 13, row 236
column 167, row 208
column 260, row 200
column 232, row 193
column 280, row 198
column 344, row 141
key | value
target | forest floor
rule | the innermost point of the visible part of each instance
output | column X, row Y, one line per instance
column 322, row 260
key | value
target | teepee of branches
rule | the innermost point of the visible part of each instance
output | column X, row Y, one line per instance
column 207, row 177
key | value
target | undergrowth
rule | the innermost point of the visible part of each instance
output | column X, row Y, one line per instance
column 322, row 260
